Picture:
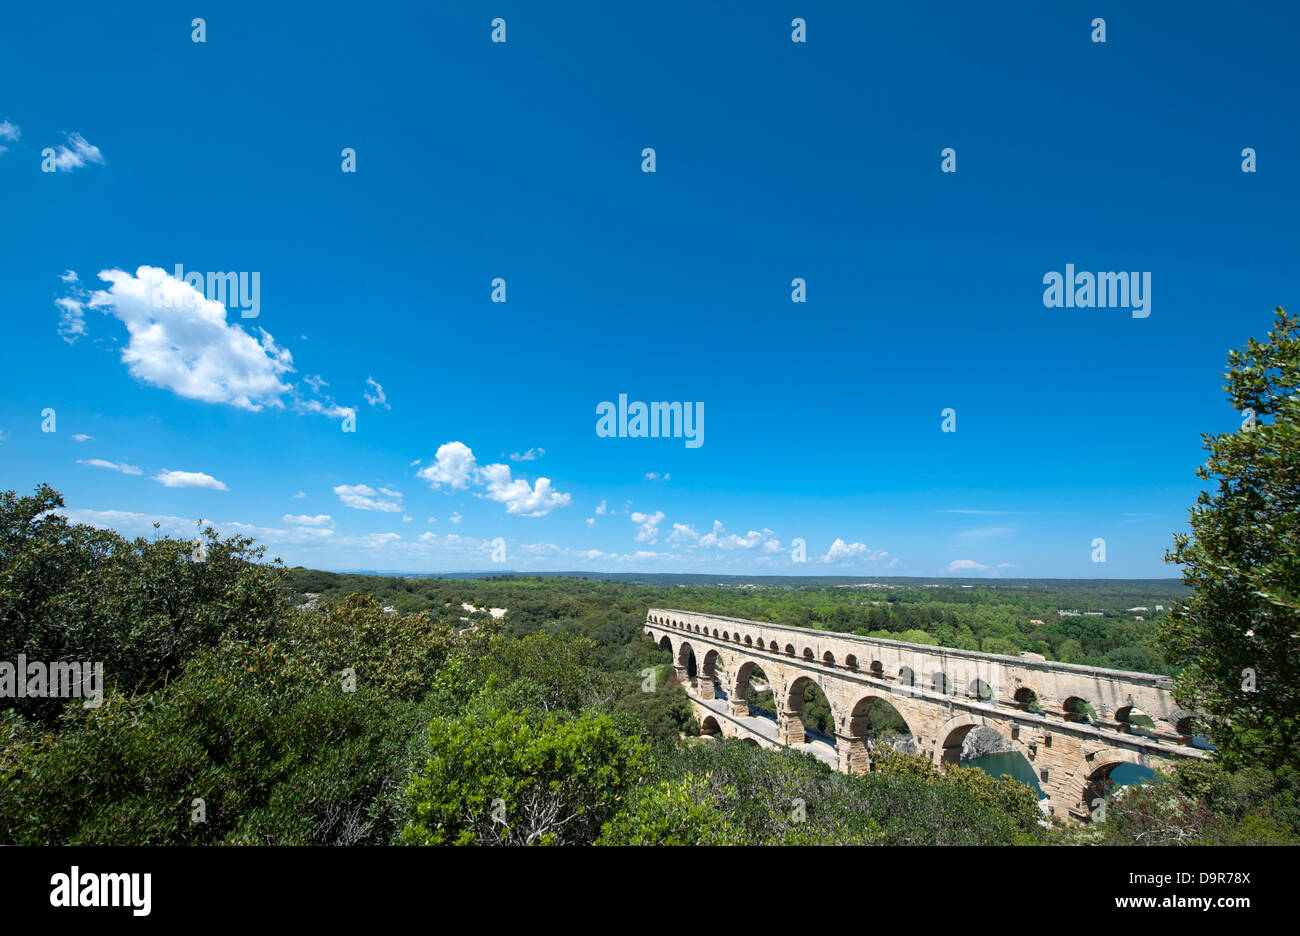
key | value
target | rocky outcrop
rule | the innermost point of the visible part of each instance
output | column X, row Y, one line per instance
column 982, row 741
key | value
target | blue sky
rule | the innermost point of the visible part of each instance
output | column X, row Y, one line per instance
column 522, row 160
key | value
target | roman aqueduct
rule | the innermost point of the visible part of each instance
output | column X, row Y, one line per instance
column 1073, row 724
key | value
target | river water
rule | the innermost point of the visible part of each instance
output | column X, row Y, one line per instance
column 1018, row 768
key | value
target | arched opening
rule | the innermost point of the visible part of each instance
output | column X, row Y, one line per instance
column 715, row 632
column 980, row 746
column 874, row 724
column 808, row 654
column 709, row 727
column 709, row 684
column 749, row 642
column 810, row 710
column 1027, row 700
column 1132, row 720
column 828, row 659
column 1102, row 780
column 906, row 676
column 789, row 650
column 754, row 690
column 851, row 662
column 1079, row 710
column 979, row 689
column 877, row 669
column 686, row 662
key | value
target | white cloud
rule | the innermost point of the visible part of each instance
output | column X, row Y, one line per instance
column 655, row 476
column 9, row 130
column 719, row 538
column 78, row 155
column 841, row 550
column 304, row 520
column 114, row 466
column 453, row 465
column 536, row 500
column 406, row 519
column 602, row 509
column 300, row 495
column 530, row 455
column 647, row 526
column 180, row 341
column 189, row 479
column 72, row 319
column 683, row 533
column 364, row 497
column 591, row 523
column 455, row 517
column 378, row 398
column 82, row 437
column 966, row 565
column 389, row 492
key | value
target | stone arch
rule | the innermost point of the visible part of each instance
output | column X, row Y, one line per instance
column 851, row 663
column 715, row 633
column 726, row 635
column 789, row 650
column 1182, row 722
column 1086, row 780
column 948, row 745
column 740, row 691
column 666, row 643
column 808, row 654
column 939, row 682
column 749, row 642
column 906, row 676
column 1133, row 720
column 1026, row 699
column 709, row 726
column 856, row 728
column 828, row 659
column 979, row 689
column 707, row 673
column 1078, row 709
column 792, row 713
column 685, row 657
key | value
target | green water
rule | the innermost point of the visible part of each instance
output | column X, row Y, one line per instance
column 1019, row 769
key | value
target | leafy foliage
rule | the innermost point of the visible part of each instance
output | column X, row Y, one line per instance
column 1238, row 636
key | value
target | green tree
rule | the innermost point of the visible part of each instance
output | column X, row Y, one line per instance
column 1238, row 637
column 502, row 777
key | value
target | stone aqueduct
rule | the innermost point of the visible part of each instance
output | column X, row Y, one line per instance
column 941, row 693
